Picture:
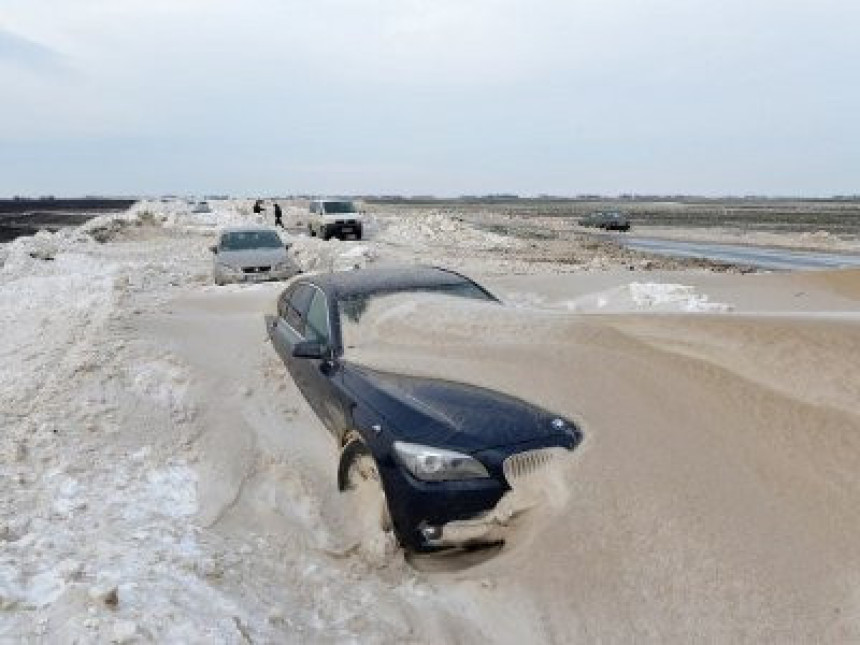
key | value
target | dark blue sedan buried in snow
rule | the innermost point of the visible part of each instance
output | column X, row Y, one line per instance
column 444, row 453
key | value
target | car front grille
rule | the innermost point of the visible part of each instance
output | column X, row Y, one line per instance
column 523, row 465
column 256, row 269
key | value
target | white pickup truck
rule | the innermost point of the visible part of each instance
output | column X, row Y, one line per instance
column 334, row 218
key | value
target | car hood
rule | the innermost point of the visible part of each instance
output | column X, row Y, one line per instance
column 252, row 257
column 451, row 415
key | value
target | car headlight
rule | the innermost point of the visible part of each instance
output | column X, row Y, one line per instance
column 437, row 464
column 283, row 265
column 228, row 268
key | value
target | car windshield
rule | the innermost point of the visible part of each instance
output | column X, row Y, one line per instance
column 245, row 240
column 339, row 207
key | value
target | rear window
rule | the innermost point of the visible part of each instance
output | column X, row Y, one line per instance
column 366, row 320
column 352, row 307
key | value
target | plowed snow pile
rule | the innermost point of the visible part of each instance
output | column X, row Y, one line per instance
column 716, row 491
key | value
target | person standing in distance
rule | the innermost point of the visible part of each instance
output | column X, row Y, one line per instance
column 278, row 215
column 258, row 207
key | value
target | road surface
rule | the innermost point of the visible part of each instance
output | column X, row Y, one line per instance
column 761, row 257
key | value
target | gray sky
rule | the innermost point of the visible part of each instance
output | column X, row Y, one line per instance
column 429, row 96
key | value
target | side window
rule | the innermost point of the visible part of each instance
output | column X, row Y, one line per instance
column 297, row 306
column 282, row 303
column 317, row 328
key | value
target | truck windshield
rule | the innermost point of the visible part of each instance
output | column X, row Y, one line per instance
column 339, row 207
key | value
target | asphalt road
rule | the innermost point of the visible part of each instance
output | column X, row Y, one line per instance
column 764, row 258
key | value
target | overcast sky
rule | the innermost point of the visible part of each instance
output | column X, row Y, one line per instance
column 429, row 96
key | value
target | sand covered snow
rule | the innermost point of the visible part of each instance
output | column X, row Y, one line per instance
column 163, row 479
column 715, row 492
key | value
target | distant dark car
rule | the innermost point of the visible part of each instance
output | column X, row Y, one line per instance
column 443, row 452
column 607, row 220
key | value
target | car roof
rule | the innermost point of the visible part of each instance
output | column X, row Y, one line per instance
column 384, row 278
column 250, row 228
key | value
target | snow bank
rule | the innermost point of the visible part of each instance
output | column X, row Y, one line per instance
column 314, row 254
column 647, row 296
column 47, row 310
column 176, row 215
column 634, row 297
column 439, row 228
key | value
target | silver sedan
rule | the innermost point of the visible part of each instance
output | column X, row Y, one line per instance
column 251, row 254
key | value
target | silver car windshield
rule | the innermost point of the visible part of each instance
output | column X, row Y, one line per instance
column 246, row 240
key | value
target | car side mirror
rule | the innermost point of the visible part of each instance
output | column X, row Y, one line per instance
column 309, row 349
column 214, row 249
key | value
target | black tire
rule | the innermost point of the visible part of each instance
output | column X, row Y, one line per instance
column 359, row 233
column 311, row 231
column 326, row 234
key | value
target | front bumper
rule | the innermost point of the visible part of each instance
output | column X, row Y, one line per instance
column 459, row 533
column 535, row 481
column 240, row 277
column 430, row 515
column 415, row 504
column 343, row 228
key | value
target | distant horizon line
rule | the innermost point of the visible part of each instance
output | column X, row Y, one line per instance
column 433, row 197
